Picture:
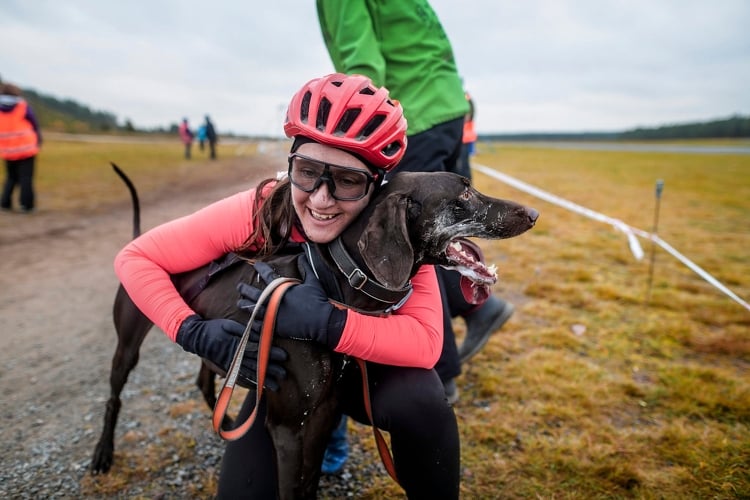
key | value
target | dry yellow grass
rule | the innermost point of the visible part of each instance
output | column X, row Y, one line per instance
column 76, row 176
column 648, row 401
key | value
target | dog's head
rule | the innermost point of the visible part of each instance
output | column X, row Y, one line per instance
column 426, row 218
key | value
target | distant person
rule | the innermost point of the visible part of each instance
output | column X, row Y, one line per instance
column 468, row 147
column 20, row 140
column 402, row 46
column 201, row 135
column 186, row 136
column 211, row 136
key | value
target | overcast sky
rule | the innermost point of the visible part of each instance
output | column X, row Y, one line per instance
column 531, row 65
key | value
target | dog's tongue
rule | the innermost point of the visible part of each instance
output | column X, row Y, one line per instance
column 474, row 293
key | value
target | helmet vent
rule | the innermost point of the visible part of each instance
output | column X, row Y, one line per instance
column 346, row 121
column 371, row 126
column 304, row 112
column 391, row 149
column 367, row 91
column 323, row 110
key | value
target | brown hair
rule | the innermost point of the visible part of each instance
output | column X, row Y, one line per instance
column 10, row 89
column 273, row 220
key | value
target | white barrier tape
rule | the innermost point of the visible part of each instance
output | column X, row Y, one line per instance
column 698, row 270
column 629, row 231
column 635, row 246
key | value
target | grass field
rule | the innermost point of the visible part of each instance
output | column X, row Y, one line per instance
column 588, row 391
column 77, row 176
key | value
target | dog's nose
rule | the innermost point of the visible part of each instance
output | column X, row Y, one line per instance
column 533, row 215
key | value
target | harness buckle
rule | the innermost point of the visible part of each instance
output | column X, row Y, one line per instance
column 357, row 279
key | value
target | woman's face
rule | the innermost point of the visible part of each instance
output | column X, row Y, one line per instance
column 322, row 216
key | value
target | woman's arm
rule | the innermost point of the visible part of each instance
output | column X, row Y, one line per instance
column 145, row 264
column 412, row 336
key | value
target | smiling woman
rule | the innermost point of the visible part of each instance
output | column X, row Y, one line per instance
column 335, row 120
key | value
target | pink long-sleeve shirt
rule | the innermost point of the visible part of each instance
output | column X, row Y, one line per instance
column 412, row 336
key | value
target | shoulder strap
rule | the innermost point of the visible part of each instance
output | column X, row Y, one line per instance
column 323, row 272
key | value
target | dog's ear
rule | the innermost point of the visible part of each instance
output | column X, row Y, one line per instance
column 385, row 245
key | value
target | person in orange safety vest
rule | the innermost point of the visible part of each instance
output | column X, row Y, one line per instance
column 20, row 140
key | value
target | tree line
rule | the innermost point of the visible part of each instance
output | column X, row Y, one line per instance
column 732, row 127
column 67, row 115
column 736, row 126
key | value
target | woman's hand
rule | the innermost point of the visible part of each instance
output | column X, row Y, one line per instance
column 217, row 339
column 304, row 312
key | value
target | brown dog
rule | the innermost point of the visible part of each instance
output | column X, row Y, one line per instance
column 416, row 219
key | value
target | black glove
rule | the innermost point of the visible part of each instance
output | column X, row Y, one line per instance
column 217, row 339
column 304, row 312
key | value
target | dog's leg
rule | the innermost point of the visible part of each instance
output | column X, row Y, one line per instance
column 131, row 327
column 301, row 417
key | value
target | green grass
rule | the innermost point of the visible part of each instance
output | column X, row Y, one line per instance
column 588, row 391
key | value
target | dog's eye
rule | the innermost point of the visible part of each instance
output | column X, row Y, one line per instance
column 465, row 195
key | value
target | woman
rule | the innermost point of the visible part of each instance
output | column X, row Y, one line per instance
column 347, row 135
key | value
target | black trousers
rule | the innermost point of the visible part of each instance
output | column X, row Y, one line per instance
column 408, row 403
column 438, row 150
column 19, row 173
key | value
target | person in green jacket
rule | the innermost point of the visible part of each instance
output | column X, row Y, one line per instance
column 402, row 45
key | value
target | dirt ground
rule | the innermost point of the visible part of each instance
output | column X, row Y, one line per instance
column 56, row 337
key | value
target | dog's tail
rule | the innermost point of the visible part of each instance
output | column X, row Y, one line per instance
column 134, row 198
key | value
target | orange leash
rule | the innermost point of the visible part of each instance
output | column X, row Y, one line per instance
column 383, row 450
column 275, row 290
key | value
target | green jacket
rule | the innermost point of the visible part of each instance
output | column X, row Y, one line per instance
column 401, row 45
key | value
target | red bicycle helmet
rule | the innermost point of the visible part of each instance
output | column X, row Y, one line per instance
column 349, row 112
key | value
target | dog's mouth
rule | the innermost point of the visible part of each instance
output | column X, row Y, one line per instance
column 476, row 278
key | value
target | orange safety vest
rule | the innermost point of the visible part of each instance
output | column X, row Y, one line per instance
column 18, row 140
column 470, row 135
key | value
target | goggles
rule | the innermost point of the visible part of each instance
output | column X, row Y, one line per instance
column 344, row 183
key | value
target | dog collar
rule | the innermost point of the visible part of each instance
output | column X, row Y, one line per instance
column 359, row 280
